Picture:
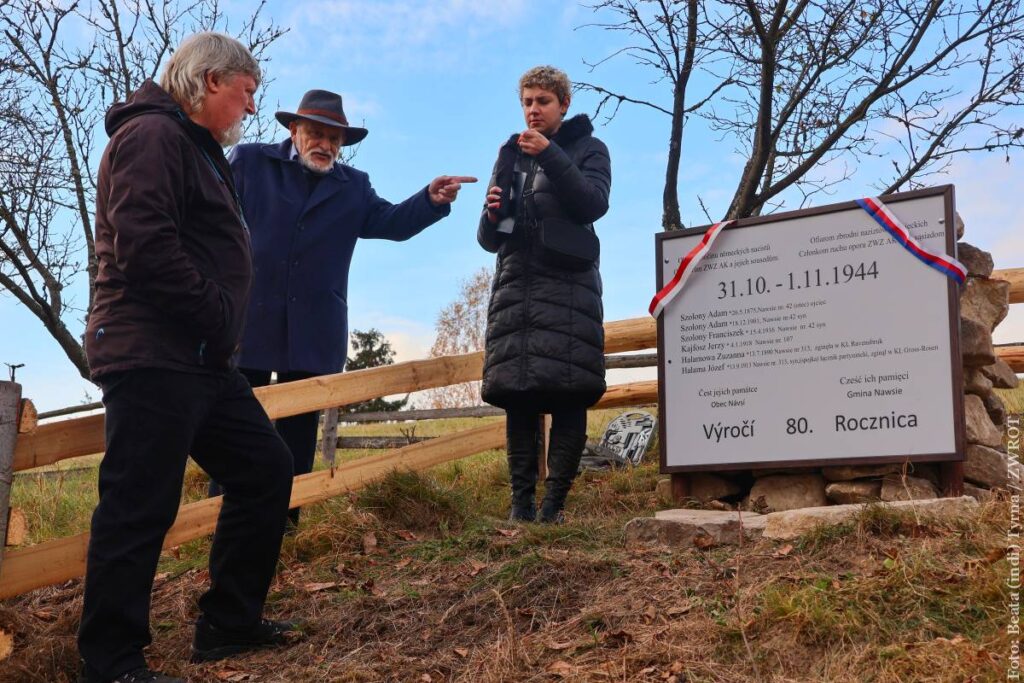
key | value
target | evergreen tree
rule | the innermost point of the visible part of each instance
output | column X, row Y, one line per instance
column 371, row 349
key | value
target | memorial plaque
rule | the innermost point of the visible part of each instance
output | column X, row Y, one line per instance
column 812, row 338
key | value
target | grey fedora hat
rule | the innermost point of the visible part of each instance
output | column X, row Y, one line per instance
column 324, row 107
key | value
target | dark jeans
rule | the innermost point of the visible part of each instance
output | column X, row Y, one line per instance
column 154, row 419
column 298, row 431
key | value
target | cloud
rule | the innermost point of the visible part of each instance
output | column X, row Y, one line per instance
column 410, row 340
column 407, row 33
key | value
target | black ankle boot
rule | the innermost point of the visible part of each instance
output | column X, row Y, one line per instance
column 564, row 453
column 523, row 445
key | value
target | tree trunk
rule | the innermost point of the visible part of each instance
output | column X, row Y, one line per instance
column 10, row 402
column 71, row 345
column 670, row 218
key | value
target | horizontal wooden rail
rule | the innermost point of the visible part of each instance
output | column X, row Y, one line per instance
column 1015, row 276
column 417, row 415
column 84, row 436
column 1013, row 355
column 71, row 410
column 366, row 443
column 59, row 560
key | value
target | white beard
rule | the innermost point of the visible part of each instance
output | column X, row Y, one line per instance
column 313, row 168
column 232, row 135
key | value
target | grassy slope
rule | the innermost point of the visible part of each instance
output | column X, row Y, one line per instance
column 420, row 579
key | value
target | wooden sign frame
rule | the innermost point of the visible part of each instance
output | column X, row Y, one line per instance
column 952, row 461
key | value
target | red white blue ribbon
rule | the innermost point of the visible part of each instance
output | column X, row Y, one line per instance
column 686, row 267
column 946, row 265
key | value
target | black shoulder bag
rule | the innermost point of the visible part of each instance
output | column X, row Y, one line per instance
column 568, row 245
column 564, row 244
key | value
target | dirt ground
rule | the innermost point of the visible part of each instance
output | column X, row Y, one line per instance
column 442, row 593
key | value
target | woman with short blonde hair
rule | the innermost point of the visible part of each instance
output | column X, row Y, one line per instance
column 544, row 350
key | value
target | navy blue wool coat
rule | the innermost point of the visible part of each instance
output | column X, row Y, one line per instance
column 302, row 248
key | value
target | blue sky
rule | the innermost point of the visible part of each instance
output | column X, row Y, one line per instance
column 435, row 83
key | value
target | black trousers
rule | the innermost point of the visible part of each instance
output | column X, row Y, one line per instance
column 572, row 420
column 154, row 419
column 298, row 431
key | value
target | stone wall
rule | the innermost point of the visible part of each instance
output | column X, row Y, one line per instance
column 984, row 303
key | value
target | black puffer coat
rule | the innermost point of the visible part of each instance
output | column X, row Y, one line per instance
column 545, row 335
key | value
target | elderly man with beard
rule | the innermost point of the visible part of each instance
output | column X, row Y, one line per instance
column 175, row 271
column 306, row 211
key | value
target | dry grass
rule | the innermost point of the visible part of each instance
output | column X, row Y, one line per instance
column 1013, row 398
column 420, row 579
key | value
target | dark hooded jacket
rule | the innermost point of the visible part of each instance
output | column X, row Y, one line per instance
column 174, row 257
column 545, row 336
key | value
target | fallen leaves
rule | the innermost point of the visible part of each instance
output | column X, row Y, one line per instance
column 704, row 541
column 561, row 668
column 369, row 543
column 783, row 551
column 318, row 587
column 679, row 610
column 235, row 676
column 994, row 555
column 6, row 644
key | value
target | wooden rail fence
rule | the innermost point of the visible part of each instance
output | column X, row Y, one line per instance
column 24, row 569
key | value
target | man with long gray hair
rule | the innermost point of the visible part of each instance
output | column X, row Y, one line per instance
column 171, row 294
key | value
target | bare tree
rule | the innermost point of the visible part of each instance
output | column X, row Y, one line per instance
column 672, row 39
column 816, row 87
column 62, row 64
column 461, row 328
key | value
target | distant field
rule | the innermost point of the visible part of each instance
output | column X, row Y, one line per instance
column 1013, row 398
column 58, row 500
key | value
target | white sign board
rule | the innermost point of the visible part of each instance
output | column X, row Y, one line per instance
column 812, row 337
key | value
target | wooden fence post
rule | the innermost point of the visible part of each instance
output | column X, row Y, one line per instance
column 545, row 442
column 10, row 406
column 329, row 435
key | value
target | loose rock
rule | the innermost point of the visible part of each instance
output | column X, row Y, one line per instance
column 897, row 487
column 978, row 263
column 845, row 473
column 977, row 383
column 976, row 344
column 688, row 528
column 986, row 467
column 996, row 410
column 985, row 301
column 1002, row 376
column 849, row 492
column 788, row 491
column 785, row 526
column 706, row 487
column 980, row 429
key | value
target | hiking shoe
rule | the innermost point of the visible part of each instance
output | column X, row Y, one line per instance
column 142, row 675
column 551, row 515
column 522, row 513
column 212, row 643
